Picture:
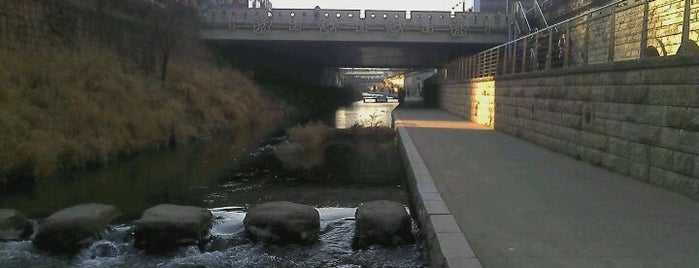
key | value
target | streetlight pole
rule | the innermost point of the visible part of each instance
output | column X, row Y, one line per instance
column 463, row 6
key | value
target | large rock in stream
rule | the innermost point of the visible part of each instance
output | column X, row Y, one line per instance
column 73, row 228
column 14, row 225
column 166, row 227
column 282, row 222
column 382, row 222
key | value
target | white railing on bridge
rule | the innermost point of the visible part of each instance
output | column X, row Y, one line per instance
column 458, row 24
column 621, row 30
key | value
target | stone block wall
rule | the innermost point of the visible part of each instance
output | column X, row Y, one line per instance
column 474, row 101
column 621, row 28
column 627, row 37
column 639, row 118
column 556, row 11
column 665, row 25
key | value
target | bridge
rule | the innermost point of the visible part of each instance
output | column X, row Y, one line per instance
column 357, row 38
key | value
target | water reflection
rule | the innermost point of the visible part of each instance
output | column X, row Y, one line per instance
column 364, row 114
column 152, row 178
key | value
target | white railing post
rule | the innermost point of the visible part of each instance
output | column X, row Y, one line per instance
column 524, row 55
column 549, row 51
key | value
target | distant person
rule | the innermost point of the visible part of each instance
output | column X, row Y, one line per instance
column 563, row 53
column 561, row 46
column 316, row 14
column 401, row 96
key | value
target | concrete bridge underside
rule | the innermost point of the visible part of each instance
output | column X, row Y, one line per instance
column 347, row 54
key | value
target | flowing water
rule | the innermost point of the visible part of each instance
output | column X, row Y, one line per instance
column 229, row 248
column 365, row 114
column 228, row 178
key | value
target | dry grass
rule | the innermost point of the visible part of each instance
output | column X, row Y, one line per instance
column 373, row 133
column 62, row 109
column 311, row 136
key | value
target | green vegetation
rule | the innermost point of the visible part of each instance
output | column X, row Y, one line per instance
column 63, row 109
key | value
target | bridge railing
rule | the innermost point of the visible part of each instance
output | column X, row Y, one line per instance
column 457, row 24
column 622, row 30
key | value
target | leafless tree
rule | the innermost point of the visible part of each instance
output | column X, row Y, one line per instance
column 171, row 22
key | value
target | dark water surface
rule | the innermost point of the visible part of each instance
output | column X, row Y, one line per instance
column 228, row 178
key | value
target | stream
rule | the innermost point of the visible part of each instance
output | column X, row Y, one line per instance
column 228, row 178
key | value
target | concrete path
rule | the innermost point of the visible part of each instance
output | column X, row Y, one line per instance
column 523, row 206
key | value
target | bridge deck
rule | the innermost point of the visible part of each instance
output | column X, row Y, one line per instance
column 523, row 206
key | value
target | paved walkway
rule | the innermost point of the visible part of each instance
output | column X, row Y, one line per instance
column 520, row 205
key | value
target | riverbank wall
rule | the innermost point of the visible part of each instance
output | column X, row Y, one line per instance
column 639, row 117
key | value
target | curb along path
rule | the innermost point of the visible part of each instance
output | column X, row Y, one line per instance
column 447, row 245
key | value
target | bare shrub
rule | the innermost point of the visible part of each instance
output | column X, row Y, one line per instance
column 311, row 136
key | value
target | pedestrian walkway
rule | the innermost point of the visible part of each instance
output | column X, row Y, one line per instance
column 520, row 205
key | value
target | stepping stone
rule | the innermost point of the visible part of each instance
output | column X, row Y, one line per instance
column 73, row 228
column 382, row 222
column 14, row 225
column 283, row 222
column 166, row 227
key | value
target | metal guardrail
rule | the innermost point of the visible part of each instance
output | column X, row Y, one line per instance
column 521, row 14
column 458, row 24
column 622, row 30
column 540, row 13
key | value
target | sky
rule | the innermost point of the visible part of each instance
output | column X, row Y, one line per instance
column 431, row 5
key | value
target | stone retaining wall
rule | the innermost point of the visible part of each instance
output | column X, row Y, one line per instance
column 639, row 118
column 474, row 101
